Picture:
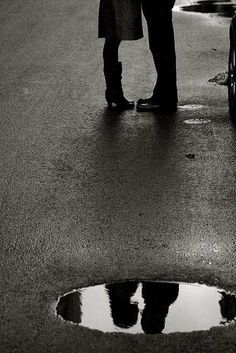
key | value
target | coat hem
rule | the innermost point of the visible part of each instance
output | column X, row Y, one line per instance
column 122, row 39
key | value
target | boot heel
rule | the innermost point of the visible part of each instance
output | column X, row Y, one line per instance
column 109, row 103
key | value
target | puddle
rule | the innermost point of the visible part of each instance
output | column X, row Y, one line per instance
column 197, row 121
column 225, row 8
column 221, row 79
column 191, row 106
column 148, row 307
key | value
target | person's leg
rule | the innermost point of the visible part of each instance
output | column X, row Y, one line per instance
column 110, row 52
column 113, row 75
column 157, row 298
column 162, row 45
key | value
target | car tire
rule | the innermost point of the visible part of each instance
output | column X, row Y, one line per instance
column 232, row 71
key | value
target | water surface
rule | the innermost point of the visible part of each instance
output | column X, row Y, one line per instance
column 148, row 307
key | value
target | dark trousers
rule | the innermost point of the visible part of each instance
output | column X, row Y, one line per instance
column 158, row 14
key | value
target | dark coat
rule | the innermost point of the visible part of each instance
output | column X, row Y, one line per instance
column 120, row 19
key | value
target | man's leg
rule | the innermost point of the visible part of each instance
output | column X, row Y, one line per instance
column 158, row 15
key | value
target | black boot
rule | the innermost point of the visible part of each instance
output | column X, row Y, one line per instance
column 114, row 92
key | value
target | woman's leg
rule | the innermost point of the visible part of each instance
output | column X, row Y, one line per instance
column 112, row 72
column 110, row 52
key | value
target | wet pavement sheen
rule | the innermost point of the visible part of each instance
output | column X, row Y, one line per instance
column 148, row 307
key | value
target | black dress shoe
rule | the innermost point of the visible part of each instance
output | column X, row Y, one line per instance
column 152, row 104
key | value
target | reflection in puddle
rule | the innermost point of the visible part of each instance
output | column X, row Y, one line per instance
column 148, row 307
column 224, row 8
column 191, row 106
column 197, row 121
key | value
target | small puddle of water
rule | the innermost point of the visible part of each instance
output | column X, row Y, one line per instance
column 224, row 8
column 192, row 107
column 148, row 307
column 197, row 121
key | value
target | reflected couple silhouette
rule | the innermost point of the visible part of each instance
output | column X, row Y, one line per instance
column 157, row 298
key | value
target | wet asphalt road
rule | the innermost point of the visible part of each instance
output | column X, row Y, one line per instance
column 89, row 196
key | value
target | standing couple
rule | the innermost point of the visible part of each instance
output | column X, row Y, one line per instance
column 122, row 20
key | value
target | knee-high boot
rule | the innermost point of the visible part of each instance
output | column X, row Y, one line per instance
column 114, row 92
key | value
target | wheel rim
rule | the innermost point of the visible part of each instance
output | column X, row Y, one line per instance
column 232, row 78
